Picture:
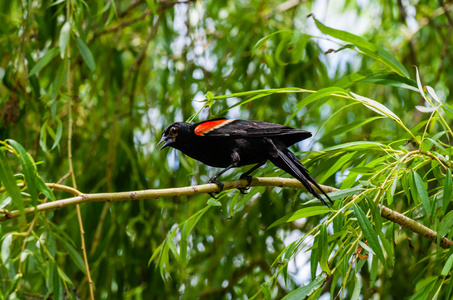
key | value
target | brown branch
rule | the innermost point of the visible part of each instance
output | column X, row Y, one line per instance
column 386, row 212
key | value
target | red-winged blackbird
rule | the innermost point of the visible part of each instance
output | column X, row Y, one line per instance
column 229, row 143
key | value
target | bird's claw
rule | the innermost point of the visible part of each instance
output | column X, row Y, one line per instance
column 219, row 184
column 247, row 177
column 244, row 190
column 249, row 182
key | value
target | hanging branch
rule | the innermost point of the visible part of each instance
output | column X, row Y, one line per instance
column 79, row 198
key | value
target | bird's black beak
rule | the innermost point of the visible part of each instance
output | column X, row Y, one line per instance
column 167, row 140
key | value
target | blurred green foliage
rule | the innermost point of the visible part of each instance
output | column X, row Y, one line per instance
column 121, row 71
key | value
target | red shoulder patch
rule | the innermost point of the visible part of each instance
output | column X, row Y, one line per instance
column 208, row 126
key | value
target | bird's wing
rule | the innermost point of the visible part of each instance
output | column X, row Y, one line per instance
column 244, row 128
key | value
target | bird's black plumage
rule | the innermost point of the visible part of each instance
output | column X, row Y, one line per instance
column 229, row 143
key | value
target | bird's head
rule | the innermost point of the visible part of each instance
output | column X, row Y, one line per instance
column 175, row 134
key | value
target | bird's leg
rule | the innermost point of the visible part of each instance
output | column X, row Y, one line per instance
column 219, row 184
column 247, row 176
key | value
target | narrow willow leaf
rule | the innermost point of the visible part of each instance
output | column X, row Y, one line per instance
column 445, row 226
column 389, row 249
column 86, row 54
column 75, row 256
column 376, row 106
column 447, row 190
column 6, row 247
column 64, row 38
column 394, row 80
column 424, row 109
column 9, row 182
column 424, row 291
column 186, row 230
column 392, row 190
column 419, row 84
column 348, row 127
column 433, row 94
column 29, row 170
column 447, row 267
column 357, row 287
column 58, row 133
column 369, row 234
column 266, row 292
column 56, row 282
column 301, row 213
column 422, row 193
column 337, row 166
column 305, row 291
column 43, row 188
column 355, row 146
column 44, row 61
column 43, row 137
column 214, row 202
column 373, row 271
column 322, row 93
column 263, row 40
column 366, row 47
column 323, row 249
column 314, row 259
column 171, row 244
column 350, row 79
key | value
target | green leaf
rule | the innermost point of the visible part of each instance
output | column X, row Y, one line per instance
column 422, row 193
column 445, row 226
column 6, row 247
column 369, row 234
column 86, row 54
column 447, row 190
column 9, row 182
column 266, row 292
column 75, row 256
column 64, row 38
column 263, row 40
column 348, row 127
column 306, row 290
column 447, row 267
column 214, row 202
column 43, row 188
column 56, row 282
column 171, row 244
column 186, row 230
column 58, row 133
column 355, row 146
column 376, row 106
column 394, row 80
column 357, row 287
column 29, row 170
column 301, row 213
column 366, row 47
column 323, row 249
column 322, row 93
column 43, row 137
column 314, row 259
column 336, row 166
column 44, row 61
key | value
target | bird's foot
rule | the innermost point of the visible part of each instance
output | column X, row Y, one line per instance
column 219, row 184
column 249, row 182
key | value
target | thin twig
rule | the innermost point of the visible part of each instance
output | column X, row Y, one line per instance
column 71, row 168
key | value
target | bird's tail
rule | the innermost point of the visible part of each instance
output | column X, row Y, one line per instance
column 288, row 162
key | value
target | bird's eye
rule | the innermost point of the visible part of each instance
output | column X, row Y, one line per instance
column 174, row 130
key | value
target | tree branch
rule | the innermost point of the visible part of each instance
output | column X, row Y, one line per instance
column 79, row 198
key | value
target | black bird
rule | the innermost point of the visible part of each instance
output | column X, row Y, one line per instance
column 229, row 143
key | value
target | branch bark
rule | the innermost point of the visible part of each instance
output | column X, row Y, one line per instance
column 80, row 198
